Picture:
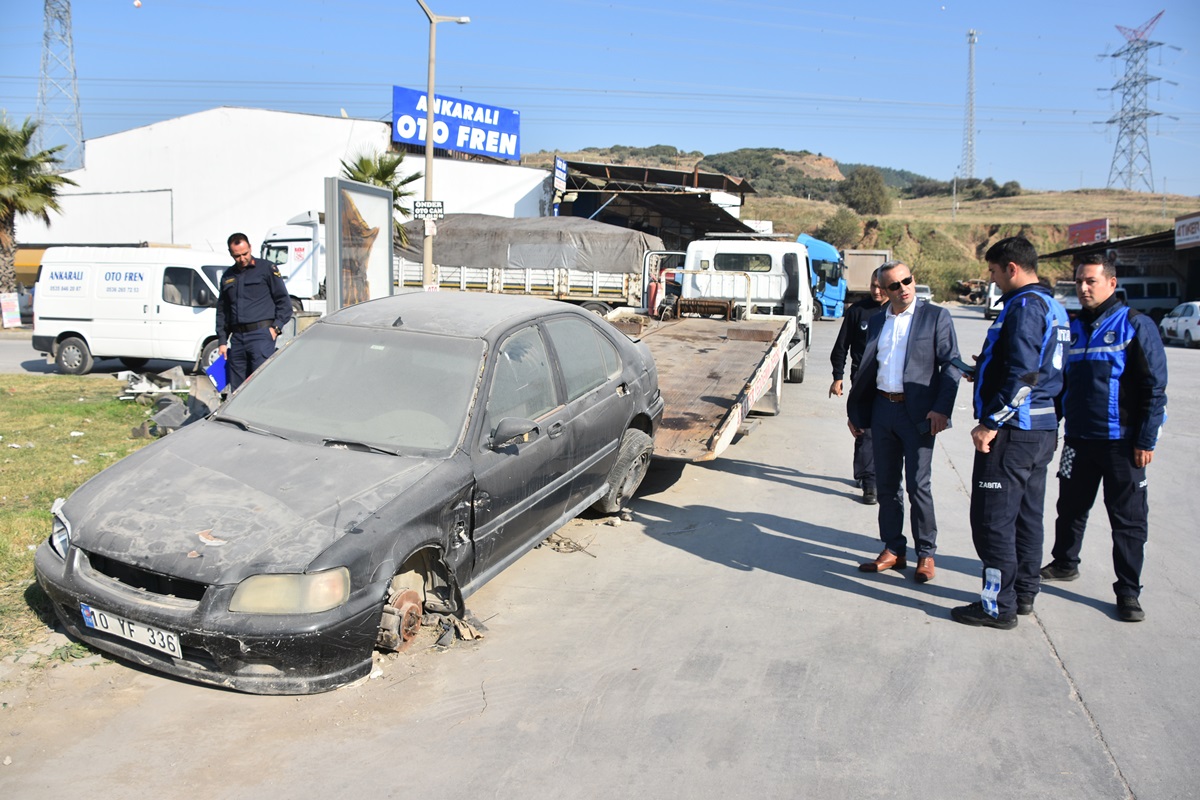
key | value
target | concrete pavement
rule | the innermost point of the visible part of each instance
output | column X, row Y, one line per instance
column 722, row 644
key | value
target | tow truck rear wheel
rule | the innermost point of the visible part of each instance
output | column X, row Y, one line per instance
column 796, row 374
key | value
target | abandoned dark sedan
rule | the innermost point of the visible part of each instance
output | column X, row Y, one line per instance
column 387, row 462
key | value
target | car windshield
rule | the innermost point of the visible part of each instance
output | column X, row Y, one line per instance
column 383, row 388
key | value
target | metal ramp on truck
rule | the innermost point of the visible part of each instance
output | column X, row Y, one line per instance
column 711, row 374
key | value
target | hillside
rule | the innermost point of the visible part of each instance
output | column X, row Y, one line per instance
column 940, row 243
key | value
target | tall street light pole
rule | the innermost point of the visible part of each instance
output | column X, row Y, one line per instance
column 434, row 19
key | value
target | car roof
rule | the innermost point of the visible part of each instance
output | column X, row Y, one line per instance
column 452, row 313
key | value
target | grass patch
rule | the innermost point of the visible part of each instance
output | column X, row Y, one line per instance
column 58, row 431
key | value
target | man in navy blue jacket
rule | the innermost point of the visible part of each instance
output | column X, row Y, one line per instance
column 1017, row 383
column 853, row 338
column 1114, row 405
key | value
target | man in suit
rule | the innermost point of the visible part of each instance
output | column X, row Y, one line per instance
column 904, row 395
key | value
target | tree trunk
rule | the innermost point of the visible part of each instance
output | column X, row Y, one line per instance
column 8, row 253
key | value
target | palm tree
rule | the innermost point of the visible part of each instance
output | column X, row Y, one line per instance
column 383, row 169
column 28, row 185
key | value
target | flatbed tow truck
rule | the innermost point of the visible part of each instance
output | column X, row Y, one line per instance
column 738, row 327
column 711, row 374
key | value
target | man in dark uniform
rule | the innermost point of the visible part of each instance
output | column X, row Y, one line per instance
column 253, row 308
column 853, row 337
column 1017, row 383
column 1114, row 406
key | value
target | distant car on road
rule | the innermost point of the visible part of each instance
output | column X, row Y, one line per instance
column 923, row 293
column 391, row 460
column 992, row 302
column 1182, row 324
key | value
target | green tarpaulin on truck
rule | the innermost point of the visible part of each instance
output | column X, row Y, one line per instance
column 483, row 240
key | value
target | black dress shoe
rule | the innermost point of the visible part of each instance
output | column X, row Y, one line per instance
column 976, row 616
column 1053, row 572
column 1025, row 604
column 869, row 496
column 1129, row 609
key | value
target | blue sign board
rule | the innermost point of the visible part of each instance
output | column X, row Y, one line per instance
column 560, row 174
column 458, row 125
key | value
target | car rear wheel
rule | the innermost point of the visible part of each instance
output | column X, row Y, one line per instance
column 73, row 357
column 626, row 474
column 1187, row 339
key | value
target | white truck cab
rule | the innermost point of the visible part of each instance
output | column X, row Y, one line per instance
column 759, row 278
column 298, row 250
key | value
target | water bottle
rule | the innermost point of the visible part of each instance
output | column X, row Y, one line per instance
column 991, row 590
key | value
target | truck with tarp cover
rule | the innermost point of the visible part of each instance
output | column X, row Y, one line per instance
column 592, row 264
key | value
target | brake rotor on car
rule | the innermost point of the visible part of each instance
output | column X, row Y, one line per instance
column 401, row 621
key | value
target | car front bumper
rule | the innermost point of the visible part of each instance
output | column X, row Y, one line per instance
column 254, row 653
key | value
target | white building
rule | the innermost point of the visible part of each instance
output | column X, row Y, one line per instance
column 195, row 179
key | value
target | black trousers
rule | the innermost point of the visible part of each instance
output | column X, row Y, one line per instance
column 901, row 448
column 247, row 351
column 1008, row 497
column 1084, row 465
column 864, row 460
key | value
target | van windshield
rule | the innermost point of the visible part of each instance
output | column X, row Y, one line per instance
column 213, row 273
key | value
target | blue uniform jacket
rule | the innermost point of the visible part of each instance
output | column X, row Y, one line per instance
column 1020, row 373
column 1116, row 385
column 255, row 294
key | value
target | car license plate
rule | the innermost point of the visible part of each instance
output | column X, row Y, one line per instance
column 106, row 621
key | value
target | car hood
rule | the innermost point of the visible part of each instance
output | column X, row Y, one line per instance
column 212, row 503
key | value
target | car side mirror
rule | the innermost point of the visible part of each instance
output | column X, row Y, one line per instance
column 513, row 430
column 204, row 297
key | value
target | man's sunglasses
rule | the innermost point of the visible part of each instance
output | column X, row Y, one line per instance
column 894, row 285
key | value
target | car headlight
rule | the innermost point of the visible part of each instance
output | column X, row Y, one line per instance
column 60, row 531
column 292, row 594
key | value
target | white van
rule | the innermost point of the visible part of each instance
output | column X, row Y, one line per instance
column 131, row 303
column 1154, row 295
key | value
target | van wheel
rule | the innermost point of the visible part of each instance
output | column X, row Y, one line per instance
column 134, row 364
column 209, row 354
column 73, row 356
column 297, row 306
column 626, row 474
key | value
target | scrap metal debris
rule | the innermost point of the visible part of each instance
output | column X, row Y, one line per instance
column 561, row 544
column 164, row 391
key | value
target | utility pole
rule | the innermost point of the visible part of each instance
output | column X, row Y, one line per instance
column 1131, row 159
column 59, row 122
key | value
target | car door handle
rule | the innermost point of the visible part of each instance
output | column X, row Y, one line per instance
column 556, row 430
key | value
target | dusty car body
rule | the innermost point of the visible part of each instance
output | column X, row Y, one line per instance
column 389, row 461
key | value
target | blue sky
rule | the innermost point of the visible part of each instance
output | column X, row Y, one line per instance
column 863, row 82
